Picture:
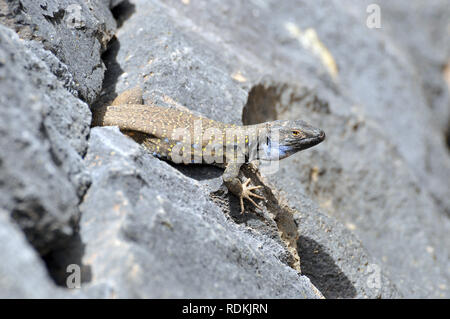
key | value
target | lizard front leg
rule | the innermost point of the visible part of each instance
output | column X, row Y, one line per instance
column 234, row 185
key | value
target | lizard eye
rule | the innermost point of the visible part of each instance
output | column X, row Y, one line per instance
column 296, row 133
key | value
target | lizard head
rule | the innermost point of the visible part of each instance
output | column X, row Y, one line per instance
column 284, row 138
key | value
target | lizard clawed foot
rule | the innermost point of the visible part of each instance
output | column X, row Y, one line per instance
column 247, row 194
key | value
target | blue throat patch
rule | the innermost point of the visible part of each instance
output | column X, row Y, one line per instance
column 275, row 150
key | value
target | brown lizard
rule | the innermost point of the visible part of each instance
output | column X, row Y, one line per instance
column 180, row 136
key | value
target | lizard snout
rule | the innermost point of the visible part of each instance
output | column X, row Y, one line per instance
column 322, row 135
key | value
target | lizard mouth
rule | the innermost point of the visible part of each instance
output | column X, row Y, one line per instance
column 275, row 150
column 322, row 136
column 314, row 140
column 308, row 142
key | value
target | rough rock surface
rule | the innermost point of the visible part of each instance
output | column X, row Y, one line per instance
column 75, row 31
column 41, row 169
column 44, row 136
column 365, row 214
column 12, row 241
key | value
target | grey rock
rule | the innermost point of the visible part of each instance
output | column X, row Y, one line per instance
column 22, row 272
column 416, row 64
column 44, row 130
column 335, row 260
column 75, row 31
column 428, row 50
column 430, row 53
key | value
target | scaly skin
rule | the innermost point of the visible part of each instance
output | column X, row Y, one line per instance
column 180, row 136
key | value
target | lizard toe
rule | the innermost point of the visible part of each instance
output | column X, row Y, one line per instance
column 248, row 194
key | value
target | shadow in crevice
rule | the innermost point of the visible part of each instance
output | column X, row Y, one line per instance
column 321, row 269
column 268, row 100
column 260, row 105
column 123, row 11
column 198, row 172
column 113, row 69
column 112, row 74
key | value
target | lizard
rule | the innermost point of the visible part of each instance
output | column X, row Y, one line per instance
column 178, row 135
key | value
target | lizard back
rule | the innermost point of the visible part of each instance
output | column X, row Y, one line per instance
column 165, row 132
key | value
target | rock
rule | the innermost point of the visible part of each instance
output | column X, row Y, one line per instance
column 428, row 50
column 75, row 31
column 39, row 141
column 335, row 260
column 419, row 62
column 22, row 275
